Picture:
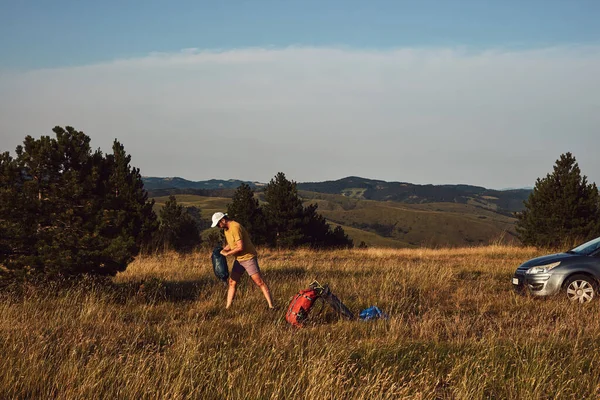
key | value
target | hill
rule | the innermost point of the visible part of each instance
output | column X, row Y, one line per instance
column 414, row 225
column 502, row 201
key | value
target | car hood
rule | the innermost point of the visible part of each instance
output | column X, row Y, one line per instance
column 549, row 259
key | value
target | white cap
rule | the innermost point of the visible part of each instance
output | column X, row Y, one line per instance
column 216, row 218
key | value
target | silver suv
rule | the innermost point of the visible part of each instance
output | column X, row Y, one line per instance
column 575, row 272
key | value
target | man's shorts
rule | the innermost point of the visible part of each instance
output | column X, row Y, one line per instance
column 250, row 266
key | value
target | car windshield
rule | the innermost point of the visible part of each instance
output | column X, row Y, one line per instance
column 587, row 248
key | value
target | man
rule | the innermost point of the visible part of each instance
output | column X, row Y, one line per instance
column 240, row 246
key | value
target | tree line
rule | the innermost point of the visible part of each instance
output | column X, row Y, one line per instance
column 67, row 210
column 283, row 221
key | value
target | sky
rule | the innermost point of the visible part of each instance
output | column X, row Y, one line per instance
column 486, row 93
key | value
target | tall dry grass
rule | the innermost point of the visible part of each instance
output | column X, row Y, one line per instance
column 456, row 331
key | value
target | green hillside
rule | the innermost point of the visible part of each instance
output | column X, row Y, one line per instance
column 391, row 224
column 502, row 201
column 409, row 225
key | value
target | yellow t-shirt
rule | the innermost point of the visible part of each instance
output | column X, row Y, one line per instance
column 233, row 234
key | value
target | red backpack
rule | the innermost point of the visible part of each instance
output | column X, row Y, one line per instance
column 304, row 301
column 301, row 305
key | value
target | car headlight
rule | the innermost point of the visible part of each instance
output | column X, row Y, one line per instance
column 542, row 269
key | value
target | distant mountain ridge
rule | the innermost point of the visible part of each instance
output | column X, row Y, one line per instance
column 153, row 183
column 502, row 201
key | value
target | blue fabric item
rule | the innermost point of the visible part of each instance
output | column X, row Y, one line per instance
column 219, row 262
column 372, row 312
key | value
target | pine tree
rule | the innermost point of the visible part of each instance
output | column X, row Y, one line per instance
column 130, row 214
column 339, row 239
column 64, row 212
column 296, row 225
column 315, row 230
column 17, row 224
column 245, row 209
column 58, row 175
column 178, row 230
column 284, row 212
column 563, row 208
column 196, row 214
column 318, row 233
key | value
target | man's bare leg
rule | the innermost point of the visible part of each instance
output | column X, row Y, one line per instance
column 231, row 291
column 257, row 278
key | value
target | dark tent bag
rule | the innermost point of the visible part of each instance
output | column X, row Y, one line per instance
column 219, row 262
column 336, row 303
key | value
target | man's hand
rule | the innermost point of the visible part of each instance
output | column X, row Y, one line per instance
column 223, row 252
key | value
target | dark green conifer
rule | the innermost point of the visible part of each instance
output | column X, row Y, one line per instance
column 66, row 210
column 284, row 212
column 178, row 230
column 562, row 209
column 296, row 225
column 339, row 239
column 130, row 214
column 245, row 209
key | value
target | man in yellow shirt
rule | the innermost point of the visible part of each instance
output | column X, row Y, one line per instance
column 240, row 246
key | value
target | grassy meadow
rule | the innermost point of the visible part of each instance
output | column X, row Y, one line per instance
column 159, row 330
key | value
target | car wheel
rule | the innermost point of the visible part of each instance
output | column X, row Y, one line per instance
column 581, row 289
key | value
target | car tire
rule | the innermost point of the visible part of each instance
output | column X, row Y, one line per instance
column 581, row 289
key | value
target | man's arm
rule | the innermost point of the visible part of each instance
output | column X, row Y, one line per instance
column 239, row 247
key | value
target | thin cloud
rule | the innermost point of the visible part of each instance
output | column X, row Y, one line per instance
column 496, row 118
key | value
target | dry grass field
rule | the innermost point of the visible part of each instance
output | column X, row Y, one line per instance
column 160, row 330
